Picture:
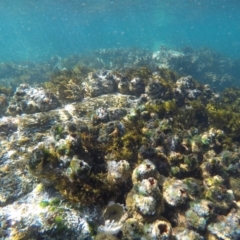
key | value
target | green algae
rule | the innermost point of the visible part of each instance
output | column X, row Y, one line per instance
column 168, row 75
column 162, row 108
column 142, row 72
column 126, row 146
column 60, row 223
column 92, row 227
column 54, row 201
column 44, row 203
column 66, row 84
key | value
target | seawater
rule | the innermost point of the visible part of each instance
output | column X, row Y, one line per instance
column 35, row 30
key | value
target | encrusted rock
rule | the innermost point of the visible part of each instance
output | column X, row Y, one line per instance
column 221, row 197
column 199, row 214
column 118, row 172
column 137, row 86
column 132, row 229
column 145, row 200
column 226, row 227
column 3, row 103
column 98, row 83
column 188, row 235
column 31, row 100
column 145, row 170
column 154, row 89
column 158, row 230
column 175, row 192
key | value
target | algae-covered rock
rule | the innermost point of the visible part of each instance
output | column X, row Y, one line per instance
column 158, row 230
column 118, row 172
column 235, row 186
column 145, row 200
column 31, row 100
column 188, row 235
column 105, row 236
column 3, row 102
column 132, row 229
column 221, row 197
column 175, row 192
column 154, row 89
column 199, row 214
column 226, row 227
column 99, row 82
column 145, row 170
column 82, row 136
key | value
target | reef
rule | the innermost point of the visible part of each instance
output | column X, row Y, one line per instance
column 204, row 64
column 135, row 152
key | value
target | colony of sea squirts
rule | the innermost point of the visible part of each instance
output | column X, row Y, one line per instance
column 136, row 153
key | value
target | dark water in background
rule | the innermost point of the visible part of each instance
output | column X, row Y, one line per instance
column 35, row 30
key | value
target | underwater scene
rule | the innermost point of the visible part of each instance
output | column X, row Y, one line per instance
column 120, row 120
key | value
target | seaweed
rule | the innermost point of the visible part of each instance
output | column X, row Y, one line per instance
column 66, row 84
column 225, row 114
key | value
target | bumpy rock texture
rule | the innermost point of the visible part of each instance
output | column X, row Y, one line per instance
column 130, row 153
